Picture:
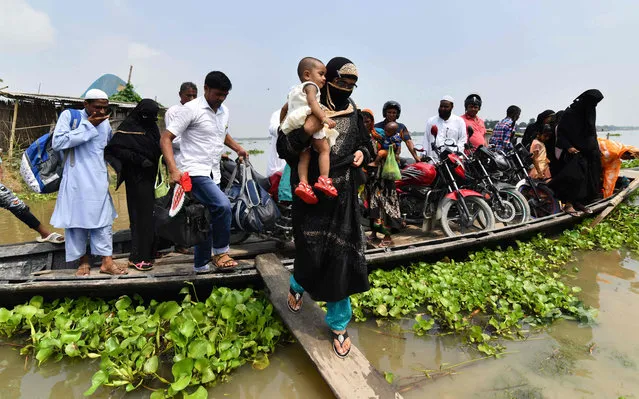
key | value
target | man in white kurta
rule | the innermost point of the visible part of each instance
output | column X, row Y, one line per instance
column 84, row 207
column 445, row 125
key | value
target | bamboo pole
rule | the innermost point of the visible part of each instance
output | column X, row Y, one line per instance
column 13, row 128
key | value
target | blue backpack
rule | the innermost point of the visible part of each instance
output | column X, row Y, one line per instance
column 41, row 166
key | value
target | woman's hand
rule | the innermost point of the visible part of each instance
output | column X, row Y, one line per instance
column 358, row 158
column 573, row 150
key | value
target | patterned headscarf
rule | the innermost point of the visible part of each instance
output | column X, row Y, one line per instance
column 335, row 98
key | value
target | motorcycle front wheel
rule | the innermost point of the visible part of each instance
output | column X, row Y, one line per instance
column 520, row 204
column 480, row 216
column 545, row 205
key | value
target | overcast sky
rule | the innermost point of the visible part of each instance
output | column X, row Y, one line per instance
column 537, row 55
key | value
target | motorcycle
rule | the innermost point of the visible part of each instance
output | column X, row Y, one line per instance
column 508, row 204
column 430, row 193
column 540, row 197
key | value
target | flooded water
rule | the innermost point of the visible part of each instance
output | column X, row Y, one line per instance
column 565, row 360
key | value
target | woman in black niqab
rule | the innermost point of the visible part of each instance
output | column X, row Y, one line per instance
column 134, row 152
column 329, row 241
column 579, row 168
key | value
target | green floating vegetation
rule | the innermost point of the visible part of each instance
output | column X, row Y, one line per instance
column 630, row 163
column 496, row 292
column 255, row 151
column 32, row 197
column 204, row 341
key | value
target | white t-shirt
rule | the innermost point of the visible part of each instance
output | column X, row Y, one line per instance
column 275, row 163
column 169, row 116
column 453, row 128
column 202, row 132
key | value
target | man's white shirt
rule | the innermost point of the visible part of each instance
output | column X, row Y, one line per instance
column 201, row 132
column 452, row 128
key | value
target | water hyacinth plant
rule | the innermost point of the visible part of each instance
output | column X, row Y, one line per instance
column 204, row 341
column 494, row 293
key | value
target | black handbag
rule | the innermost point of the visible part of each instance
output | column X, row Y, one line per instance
column 189, row 227
column 252, row 208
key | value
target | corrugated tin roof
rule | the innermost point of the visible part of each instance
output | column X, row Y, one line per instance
column 56, row 98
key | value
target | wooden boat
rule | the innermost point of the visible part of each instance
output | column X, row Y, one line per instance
column 31, row 268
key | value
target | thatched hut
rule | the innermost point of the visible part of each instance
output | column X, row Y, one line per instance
column 27, row 116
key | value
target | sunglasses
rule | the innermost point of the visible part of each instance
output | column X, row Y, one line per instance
column 344, row 84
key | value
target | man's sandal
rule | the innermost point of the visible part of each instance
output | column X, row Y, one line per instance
column 83, row 270
column 297, row 300
column 341, row 338
column 113, row 269
column 223, row 263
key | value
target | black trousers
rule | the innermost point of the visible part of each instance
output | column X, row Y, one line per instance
column 140, row 199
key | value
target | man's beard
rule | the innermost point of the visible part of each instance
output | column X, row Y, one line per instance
column 445, row 114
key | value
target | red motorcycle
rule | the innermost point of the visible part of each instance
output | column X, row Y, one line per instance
column 429, row 193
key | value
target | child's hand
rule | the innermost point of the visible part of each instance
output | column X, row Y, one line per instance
column 331, row 123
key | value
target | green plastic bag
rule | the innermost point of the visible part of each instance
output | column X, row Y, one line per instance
column 161, row 180
column 390, row 171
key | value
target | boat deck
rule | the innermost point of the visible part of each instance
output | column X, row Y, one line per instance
column 39, row 268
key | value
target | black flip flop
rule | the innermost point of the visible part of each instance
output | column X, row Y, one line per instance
column 583, row 209
column 298, row 300
column 341, row 338
column 572, row 212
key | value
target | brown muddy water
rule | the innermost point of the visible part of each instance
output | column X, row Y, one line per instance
column 564, row 361
column 13, row 230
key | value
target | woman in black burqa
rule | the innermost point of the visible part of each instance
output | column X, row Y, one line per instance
column 134, row 152
column 576, row 178
column 329, row 241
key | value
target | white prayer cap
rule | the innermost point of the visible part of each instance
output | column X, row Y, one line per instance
column 448, row 98
column 96, row 94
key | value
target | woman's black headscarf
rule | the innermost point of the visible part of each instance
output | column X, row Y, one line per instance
column 137, row 141
column 139, row 132
column 335, row 98
column 578, row 126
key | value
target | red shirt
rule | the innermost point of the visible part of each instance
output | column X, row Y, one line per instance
column 479, row 130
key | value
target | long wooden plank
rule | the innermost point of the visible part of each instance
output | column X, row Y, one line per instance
column 618, row 199
column 352, row 377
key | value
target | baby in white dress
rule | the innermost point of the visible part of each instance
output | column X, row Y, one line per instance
column 304, row 110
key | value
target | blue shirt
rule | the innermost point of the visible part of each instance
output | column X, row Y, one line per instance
column 403, row 131
column 502, row 134
column 386, row 142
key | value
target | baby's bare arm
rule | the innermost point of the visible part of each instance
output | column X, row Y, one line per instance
column 311, row 93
